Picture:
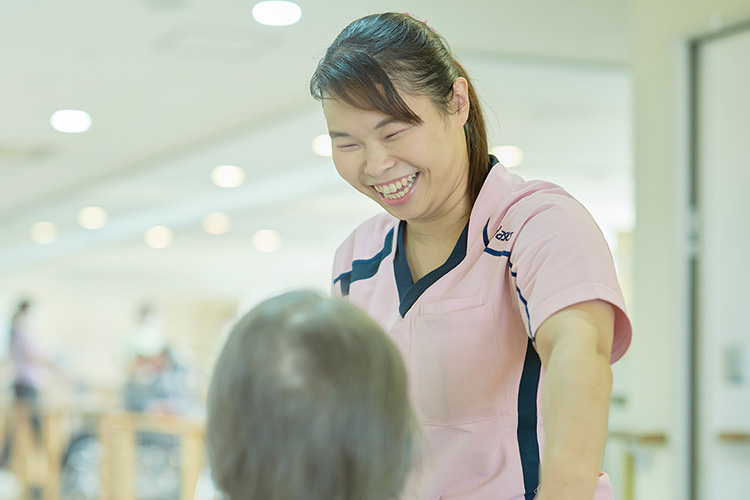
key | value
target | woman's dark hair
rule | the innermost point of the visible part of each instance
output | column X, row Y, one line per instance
column 309, row 400
column 378, row 55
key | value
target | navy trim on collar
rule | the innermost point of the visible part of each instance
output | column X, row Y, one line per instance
column 408, row 291
column 365, row 268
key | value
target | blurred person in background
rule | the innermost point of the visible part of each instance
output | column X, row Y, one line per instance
column 29, row 371
column 147, row 337
column 309, row 401
column 158, row 383
column 158, row 376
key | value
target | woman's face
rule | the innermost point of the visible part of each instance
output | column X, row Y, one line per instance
column 417, row 172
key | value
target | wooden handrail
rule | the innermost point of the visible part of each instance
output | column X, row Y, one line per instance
column 116, row 429
column 643, row 438
column 734, row 437
column 163, row 423
column 118, row 436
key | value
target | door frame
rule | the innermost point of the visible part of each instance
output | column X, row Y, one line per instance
column 694, row 206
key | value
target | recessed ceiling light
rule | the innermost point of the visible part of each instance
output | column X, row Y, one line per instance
column 71, row 121
column 217, row 223
column 321, row 145
column 266, row 240
column 92, row 217
column 44, row 232
column 228, row 176
column 158, row 237
column 509, row 156
column 276, row 13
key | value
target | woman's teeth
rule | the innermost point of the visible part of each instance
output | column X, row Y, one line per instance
column 397, row 189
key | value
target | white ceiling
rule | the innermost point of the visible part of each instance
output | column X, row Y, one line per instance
column 176, row 87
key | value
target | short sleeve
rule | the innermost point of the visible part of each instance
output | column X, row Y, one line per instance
column 560, row 258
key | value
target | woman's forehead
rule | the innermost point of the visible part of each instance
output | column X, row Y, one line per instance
column 337, row 109
column 341, row 116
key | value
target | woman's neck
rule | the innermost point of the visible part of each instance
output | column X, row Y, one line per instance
column 428, row 244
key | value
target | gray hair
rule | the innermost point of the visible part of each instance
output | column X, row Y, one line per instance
column 309, row 400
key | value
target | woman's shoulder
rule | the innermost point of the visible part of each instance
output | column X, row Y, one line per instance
column 532, row 192
column 372, row 236
column 379, row 223
column 509, row 195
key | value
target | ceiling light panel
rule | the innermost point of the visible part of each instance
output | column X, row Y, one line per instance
column 217, row 223
column 71, row 121
column 266, row 240
column 509, row 156
column 44, row 232
column 158, row 237
column 92, row 217
column 277, row 13
column 228, row 176
column 321, row 145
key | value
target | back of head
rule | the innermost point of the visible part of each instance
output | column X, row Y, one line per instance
column 380, row 55
column 309, row 401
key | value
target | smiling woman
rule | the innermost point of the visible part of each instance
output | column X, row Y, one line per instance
column 486, row 282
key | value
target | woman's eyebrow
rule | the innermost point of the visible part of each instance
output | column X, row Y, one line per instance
column 335, row 134
column 382, row 123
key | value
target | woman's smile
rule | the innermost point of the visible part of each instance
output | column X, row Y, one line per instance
column 398, row 192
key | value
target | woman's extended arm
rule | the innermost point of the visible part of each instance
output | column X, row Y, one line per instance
column 575, row 346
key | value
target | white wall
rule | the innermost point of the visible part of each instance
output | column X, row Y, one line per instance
column 658, row 396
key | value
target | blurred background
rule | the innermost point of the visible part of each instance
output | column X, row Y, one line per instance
column 189, row 184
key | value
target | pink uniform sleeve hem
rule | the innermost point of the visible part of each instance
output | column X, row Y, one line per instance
column 585, row 293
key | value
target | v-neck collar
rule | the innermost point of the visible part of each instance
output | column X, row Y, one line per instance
column 408, row 291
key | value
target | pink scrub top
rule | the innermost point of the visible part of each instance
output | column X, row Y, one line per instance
column 466, row 330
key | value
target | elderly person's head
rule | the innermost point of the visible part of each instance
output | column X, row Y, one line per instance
column 309, row 400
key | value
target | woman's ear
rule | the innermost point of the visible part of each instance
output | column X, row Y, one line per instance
column 461, row 99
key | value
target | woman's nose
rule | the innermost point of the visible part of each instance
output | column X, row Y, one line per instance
column 377, row 161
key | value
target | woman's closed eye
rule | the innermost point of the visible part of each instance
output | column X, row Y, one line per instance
column 396, row 134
